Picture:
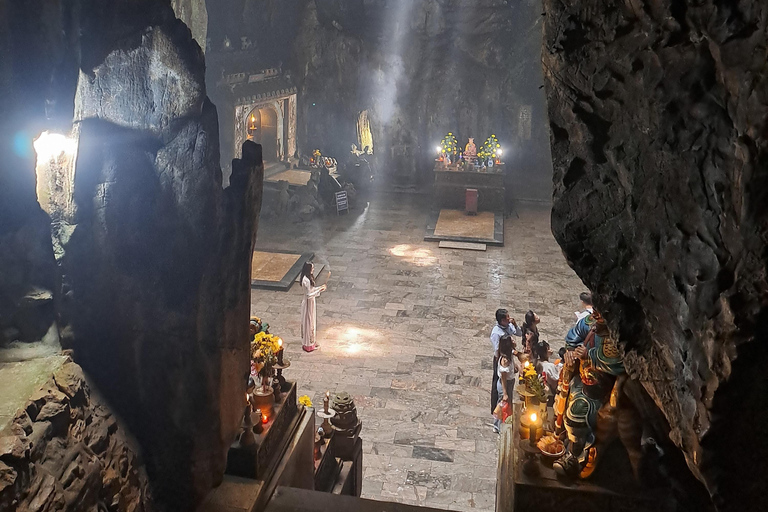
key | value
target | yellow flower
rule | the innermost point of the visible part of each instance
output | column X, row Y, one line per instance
column 305, row 401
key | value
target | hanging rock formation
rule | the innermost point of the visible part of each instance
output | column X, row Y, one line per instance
column 658, row 115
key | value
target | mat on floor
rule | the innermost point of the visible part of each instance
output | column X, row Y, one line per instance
column 457, row 226
column 273, row 270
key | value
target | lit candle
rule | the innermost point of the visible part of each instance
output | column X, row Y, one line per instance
column 264, row 418
column 280, row 351
column 326, row 401
column 533, row 428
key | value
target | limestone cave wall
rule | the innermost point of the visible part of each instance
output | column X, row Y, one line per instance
column 423, row 69
column 194, row 14
column 420, row 69
column 658, row 117
column 149, row 265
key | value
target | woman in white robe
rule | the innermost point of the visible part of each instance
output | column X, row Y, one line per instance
column 309, row 308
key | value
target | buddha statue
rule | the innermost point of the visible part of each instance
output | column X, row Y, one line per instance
column 470, row 150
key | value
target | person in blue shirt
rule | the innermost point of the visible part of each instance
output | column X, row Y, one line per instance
column 504, row 325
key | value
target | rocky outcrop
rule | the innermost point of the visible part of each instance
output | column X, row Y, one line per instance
column 658, row 116
column 194, row 14
column 66, row 451
column 153, row 254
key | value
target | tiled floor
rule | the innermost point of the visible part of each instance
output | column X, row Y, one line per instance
column 404, row 328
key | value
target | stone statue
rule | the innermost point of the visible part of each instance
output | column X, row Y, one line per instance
column 470, row 150
column 588, row 383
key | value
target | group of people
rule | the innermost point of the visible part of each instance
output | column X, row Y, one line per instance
column 508, row 357
column 584, row 385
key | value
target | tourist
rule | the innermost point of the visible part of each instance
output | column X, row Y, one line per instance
column 561, row 361
column 531, row 324
column 505, row 325
column 530, row 341
column 506, row 369
column 308, row 307
column 586, row 305
column 548, row 369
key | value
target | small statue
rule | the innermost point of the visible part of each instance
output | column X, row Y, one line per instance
column 470, row 150
column 588, row 383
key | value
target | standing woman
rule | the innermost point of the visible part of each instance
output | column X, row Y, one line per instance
column 507, row 368
column 308, row 307
column 531, row 325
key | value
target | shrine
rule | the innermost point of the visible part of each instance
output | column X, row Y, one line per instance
column 260, row 105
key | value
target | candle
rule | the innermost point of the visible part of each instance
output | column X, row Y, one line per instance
column 326, row 401
column 280, row 351
column 533, row 428
column 264, row 418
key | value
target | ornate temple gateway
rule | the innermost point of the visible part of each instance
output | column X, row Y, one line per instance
column 253, row 104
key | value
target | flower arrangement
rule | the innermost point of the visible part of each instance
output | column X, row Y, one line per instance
column 532, row 382
column 490, row 148
column 305, row 401
column 449, row 144
column 264, row 349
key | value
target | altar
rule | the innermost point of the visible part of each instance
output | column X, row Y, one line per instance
column 611, row 489
column 453, row 180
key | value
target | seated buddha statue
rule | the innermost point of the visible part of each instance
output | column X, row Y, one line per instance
column 470, row 150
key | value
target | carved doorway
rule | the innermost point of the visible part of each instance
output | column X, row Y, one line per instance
column 261, row 127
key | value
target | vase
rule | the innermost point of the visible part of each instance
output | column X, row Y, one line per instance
column 264, row 398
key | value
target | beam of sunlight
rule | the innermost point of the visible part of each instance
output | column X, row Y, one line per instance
column 419, row 256
column 386, row 80
column 353, row 340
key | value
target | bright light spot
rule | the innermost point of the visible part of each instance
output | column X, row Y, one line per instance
column 499, row 151
column 439, row 149
column 533, row 417
column 353, row 341
column 50, row 146
column 419, row 256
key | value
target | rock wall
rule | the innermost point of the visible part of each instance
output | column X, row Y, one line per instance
column 153, row 254
column 658, row 127
column 420, row 69
column 26, row 258
column 66, row 451
column 194, row 14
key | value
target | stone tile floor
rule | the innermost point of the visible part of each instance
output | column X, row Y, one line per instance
column 404, row 328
